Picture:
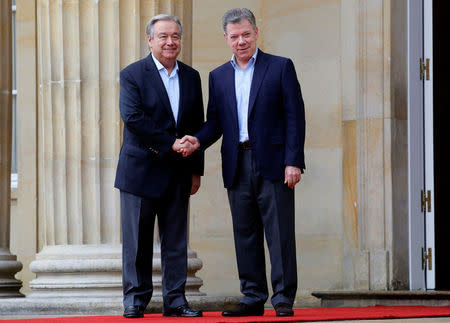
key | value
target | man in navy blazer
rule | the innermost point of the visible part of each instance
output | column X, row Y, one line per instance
column 160, row 101
column 255, row 103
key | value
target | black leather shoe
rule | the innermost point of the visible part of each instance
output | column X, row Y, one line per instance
column 284, row 309
column 133, row 311
column 245, row 310
column 182, row 311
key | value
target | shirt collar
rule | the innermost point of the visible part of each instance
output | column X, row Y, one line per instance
column 160, row 66
column 250, row 62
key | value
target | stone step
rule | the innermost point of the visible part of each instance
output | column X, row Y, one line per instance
column 372, row 298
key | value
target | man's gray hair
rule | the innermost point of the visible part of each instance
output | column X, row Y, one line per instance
column 236, row 15
column 150, row 25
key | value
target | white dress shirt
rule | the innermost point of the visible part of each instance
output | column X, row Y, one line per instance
column 172, row 85
column 242, row 84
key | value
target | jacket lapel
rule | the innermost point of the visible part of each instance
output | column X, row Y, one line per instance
column 258, row 76
column 155, row 80
column 182, row 82
column 230, row 92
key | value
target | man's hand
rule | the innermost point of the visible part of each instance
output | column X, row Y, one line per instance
column 195, row 183
column 177, row 146
column 189, row 145
column 292, row 175
column 183, row 147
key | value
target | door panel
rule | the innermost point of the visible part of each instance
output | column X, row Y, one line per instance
column 415, row 145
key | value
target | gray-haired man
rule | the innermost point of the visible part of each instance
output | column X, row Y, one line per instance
column 160, row 101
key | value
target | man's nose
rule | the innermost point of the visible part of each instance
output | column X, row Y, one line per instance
column 241, row 40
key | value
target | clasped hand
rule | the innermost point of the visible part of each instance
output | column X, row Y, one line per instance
column 186, row 145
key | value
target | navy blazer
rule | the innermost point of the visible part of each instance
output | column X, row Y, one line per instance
column 146, row 161
column 276, row 120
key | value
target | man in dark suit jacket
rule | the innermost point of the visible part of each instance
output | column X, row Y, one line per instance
column 255, row 102
column 160, row 101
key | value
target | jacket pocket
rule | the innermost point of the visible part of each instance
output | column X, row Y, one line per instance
column 135, row 151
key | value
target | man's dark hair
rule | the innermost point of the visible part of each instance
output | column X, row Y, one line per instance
column 236, row 15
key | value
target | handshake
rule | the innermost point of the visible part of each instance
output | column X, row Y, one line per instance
column 186, row 145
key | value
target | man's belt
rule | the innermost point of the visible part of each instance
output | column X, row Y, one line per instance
column 245, row 145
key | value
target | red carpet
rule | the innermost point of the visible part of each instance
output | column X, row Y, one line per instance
column 309, row 314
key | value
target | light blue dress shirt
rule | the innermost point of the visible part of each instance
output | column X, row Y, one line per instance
column 172, row 85
column 242, row 84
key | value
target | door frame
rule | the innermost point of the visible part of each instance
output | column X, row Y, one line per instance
column 430, row 273
column 416, row 173
column 420, row 146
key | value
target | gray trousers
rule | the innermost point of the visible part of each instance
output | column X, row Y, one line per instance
column 261, row 206
column 138, row 220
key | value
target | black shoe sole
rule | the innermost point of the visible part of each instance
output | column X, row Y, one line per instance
column 133, row 316
column 285, row 314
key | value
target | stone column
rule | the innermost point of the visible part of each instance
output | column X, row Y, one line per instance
column 82, row 45
column 9, row 266
column 367, row 164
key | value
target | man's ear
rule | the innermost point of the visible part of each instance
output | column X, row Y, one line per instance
column 149, row 41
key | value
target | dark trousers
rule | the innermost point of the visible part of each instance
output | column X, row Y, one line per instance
column 257, row 206
column 138, row 220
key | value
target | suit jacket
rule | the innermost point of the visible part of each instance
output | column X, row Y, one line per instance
column 276, row 118
column 146, row 161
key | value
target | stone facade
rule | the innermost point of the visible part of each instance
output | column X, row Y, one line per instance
column 66, row 213
column 341, row 50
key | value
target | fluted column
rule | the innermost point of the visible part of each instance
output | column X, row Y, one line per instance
column 9, row 266
column 82, row 45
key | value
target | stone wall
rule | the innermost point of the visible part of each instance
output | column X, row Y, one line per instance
column 341, row 51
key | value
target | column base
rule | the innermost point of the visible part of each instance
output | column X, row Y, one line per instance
column 77, row 271
column 9, row 266
column 95, row 271
column 33, row 307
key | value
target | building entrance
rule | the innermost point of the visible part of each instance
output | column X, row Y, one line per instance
column 441, row 124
